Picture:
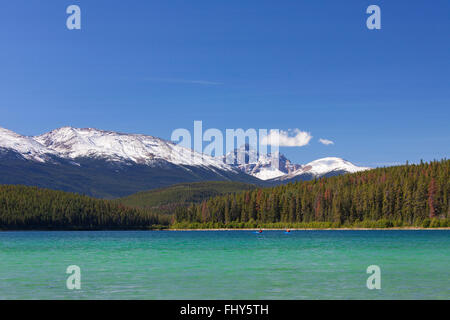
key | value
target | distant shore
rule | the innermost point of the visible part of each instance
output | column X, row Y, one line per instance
column 306, row 229
column 228, row 229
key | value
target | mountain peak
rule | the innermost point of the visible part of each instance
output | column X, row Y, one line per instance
column 27, row 147
column 72, row 143
column 263, row 166
column 115, row 146
column 324, row 167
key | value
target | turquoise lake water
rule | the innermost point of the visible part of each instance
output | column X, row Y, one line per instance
column 225, row 264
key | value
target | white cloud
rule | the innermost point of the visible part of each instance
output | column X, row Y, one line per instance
column 290, row 138
column 325, row 141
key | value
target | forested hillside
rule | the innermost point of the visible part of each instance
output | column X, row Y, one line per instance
column 102, row 179
column 409, row 195
column 165, row 200
column 24, row 207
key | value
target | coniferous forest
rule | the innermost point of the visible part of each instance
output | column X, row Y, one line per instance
column 402, row 196
column 24, row 207
column 409, row 195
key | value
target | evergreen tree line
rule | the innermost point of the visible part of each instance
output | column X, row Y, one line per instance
column 23, row 207
column 408, row 195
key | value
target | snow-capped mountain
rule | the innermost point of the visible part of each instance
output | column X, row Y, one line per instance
column 109, row 164
column 261, row 166
column 323, row 167
column 264, row 166
column 26, row 147
column 74, row 143
column 105, row 164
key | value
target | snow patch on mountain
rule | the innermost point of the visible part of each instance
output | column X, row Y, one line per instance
column 321, row 167
column 268, row 173
column 27, row 147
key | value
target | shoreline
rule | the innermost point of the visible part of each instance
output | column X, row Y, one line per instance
column 231, row 229
column 306, row 229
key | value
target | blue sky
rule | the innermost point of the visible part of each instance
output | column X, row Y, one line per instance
column 382, row 96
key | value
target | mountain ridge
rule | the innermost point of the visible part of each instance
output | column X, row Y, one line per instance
column 110, row 164
column 264, row 166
